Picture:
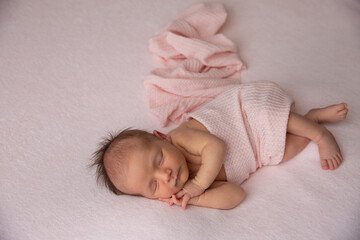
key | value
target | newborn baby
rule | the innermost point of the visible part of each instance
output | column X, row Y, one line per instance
column 204, row 160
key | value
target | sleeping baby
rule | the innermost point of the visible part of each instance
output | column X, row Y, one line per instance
column 204, row 160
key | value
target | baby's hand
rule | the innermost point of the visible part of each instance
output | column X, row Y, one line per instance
column 190, row 190
column 171, row 200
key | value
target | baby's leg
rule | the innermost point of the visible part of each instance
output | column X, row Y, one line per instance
column 295, row 143
column 293, row 146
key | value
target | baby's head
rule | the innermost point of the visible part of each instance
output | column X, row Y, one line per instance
column 140, row 163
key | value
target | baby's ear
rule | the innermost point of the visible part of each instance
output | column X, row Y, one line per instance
column 161, row 135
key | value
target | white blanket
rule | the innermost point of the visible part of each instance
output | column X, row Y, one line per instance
column 72, row 70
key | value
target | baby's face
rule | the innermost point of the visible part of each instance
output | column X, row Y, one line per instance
column 155, row 170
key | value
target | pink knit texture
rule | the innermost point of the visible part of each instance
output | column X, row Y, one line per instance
column 252, row 119
column 198, row 64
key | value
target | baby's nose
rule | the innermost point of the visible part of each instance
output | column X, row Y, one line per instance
column 164, row 174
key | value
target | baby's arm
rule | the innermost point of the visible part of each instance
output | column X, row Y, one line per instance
column 220, row 195
column 212, row 152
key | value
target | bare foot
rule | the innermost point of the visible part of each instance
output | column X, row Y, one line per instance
column 333, row 113
column 330, row 154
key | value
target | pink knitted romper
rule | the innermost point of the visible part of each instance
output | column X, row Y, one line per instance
column 252, row 119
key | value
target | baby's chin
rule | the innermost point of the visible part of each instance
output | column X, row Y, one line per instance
column 175, row 190
column 180, row 185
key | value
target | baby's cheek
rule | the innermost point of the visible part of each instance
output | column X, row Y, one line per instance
column 172, row 191
column 178, row 188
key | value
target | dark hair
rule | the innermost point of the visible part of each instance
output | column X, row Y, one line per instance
column 108, row 144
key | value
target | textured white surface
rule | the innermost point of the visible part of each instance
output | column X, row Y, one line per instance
column 72, row 70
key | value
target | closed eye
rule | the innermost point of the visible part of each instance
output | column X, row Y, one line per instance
column 155, row 186
column 161, row 159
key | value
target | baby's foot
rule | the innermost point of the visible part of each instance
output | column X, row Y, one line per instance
column 330, row 154
column 333, row 113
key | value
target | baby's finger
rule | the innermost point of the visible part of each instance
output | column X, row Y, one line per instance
column 175, row 200
column 185, row 200
column 169, row 201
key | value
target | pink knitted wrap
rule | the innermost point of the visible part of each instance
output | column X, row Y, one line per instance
column 252, row 119
column 198, row 63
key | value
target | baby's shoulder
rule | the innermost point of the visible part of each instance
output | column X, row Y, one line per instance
column 194, row 125
column 179, row 132
column 191, row 134
column 192, row 138
column 190, row 127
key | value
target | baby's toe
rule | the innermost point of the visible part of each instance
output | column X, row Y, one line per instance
column 342, row 106
column 338, row 158
column 343, row 110
column 335, row 163
column 343, row 114
column 331, row 164
column 324, row 164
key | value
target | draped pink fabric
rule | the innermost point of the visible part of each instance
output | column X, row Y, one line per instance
column 198, row 63
column 251, row 119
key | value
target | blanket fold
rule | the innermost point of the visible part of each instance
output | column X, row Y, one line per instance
column 198, row 63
